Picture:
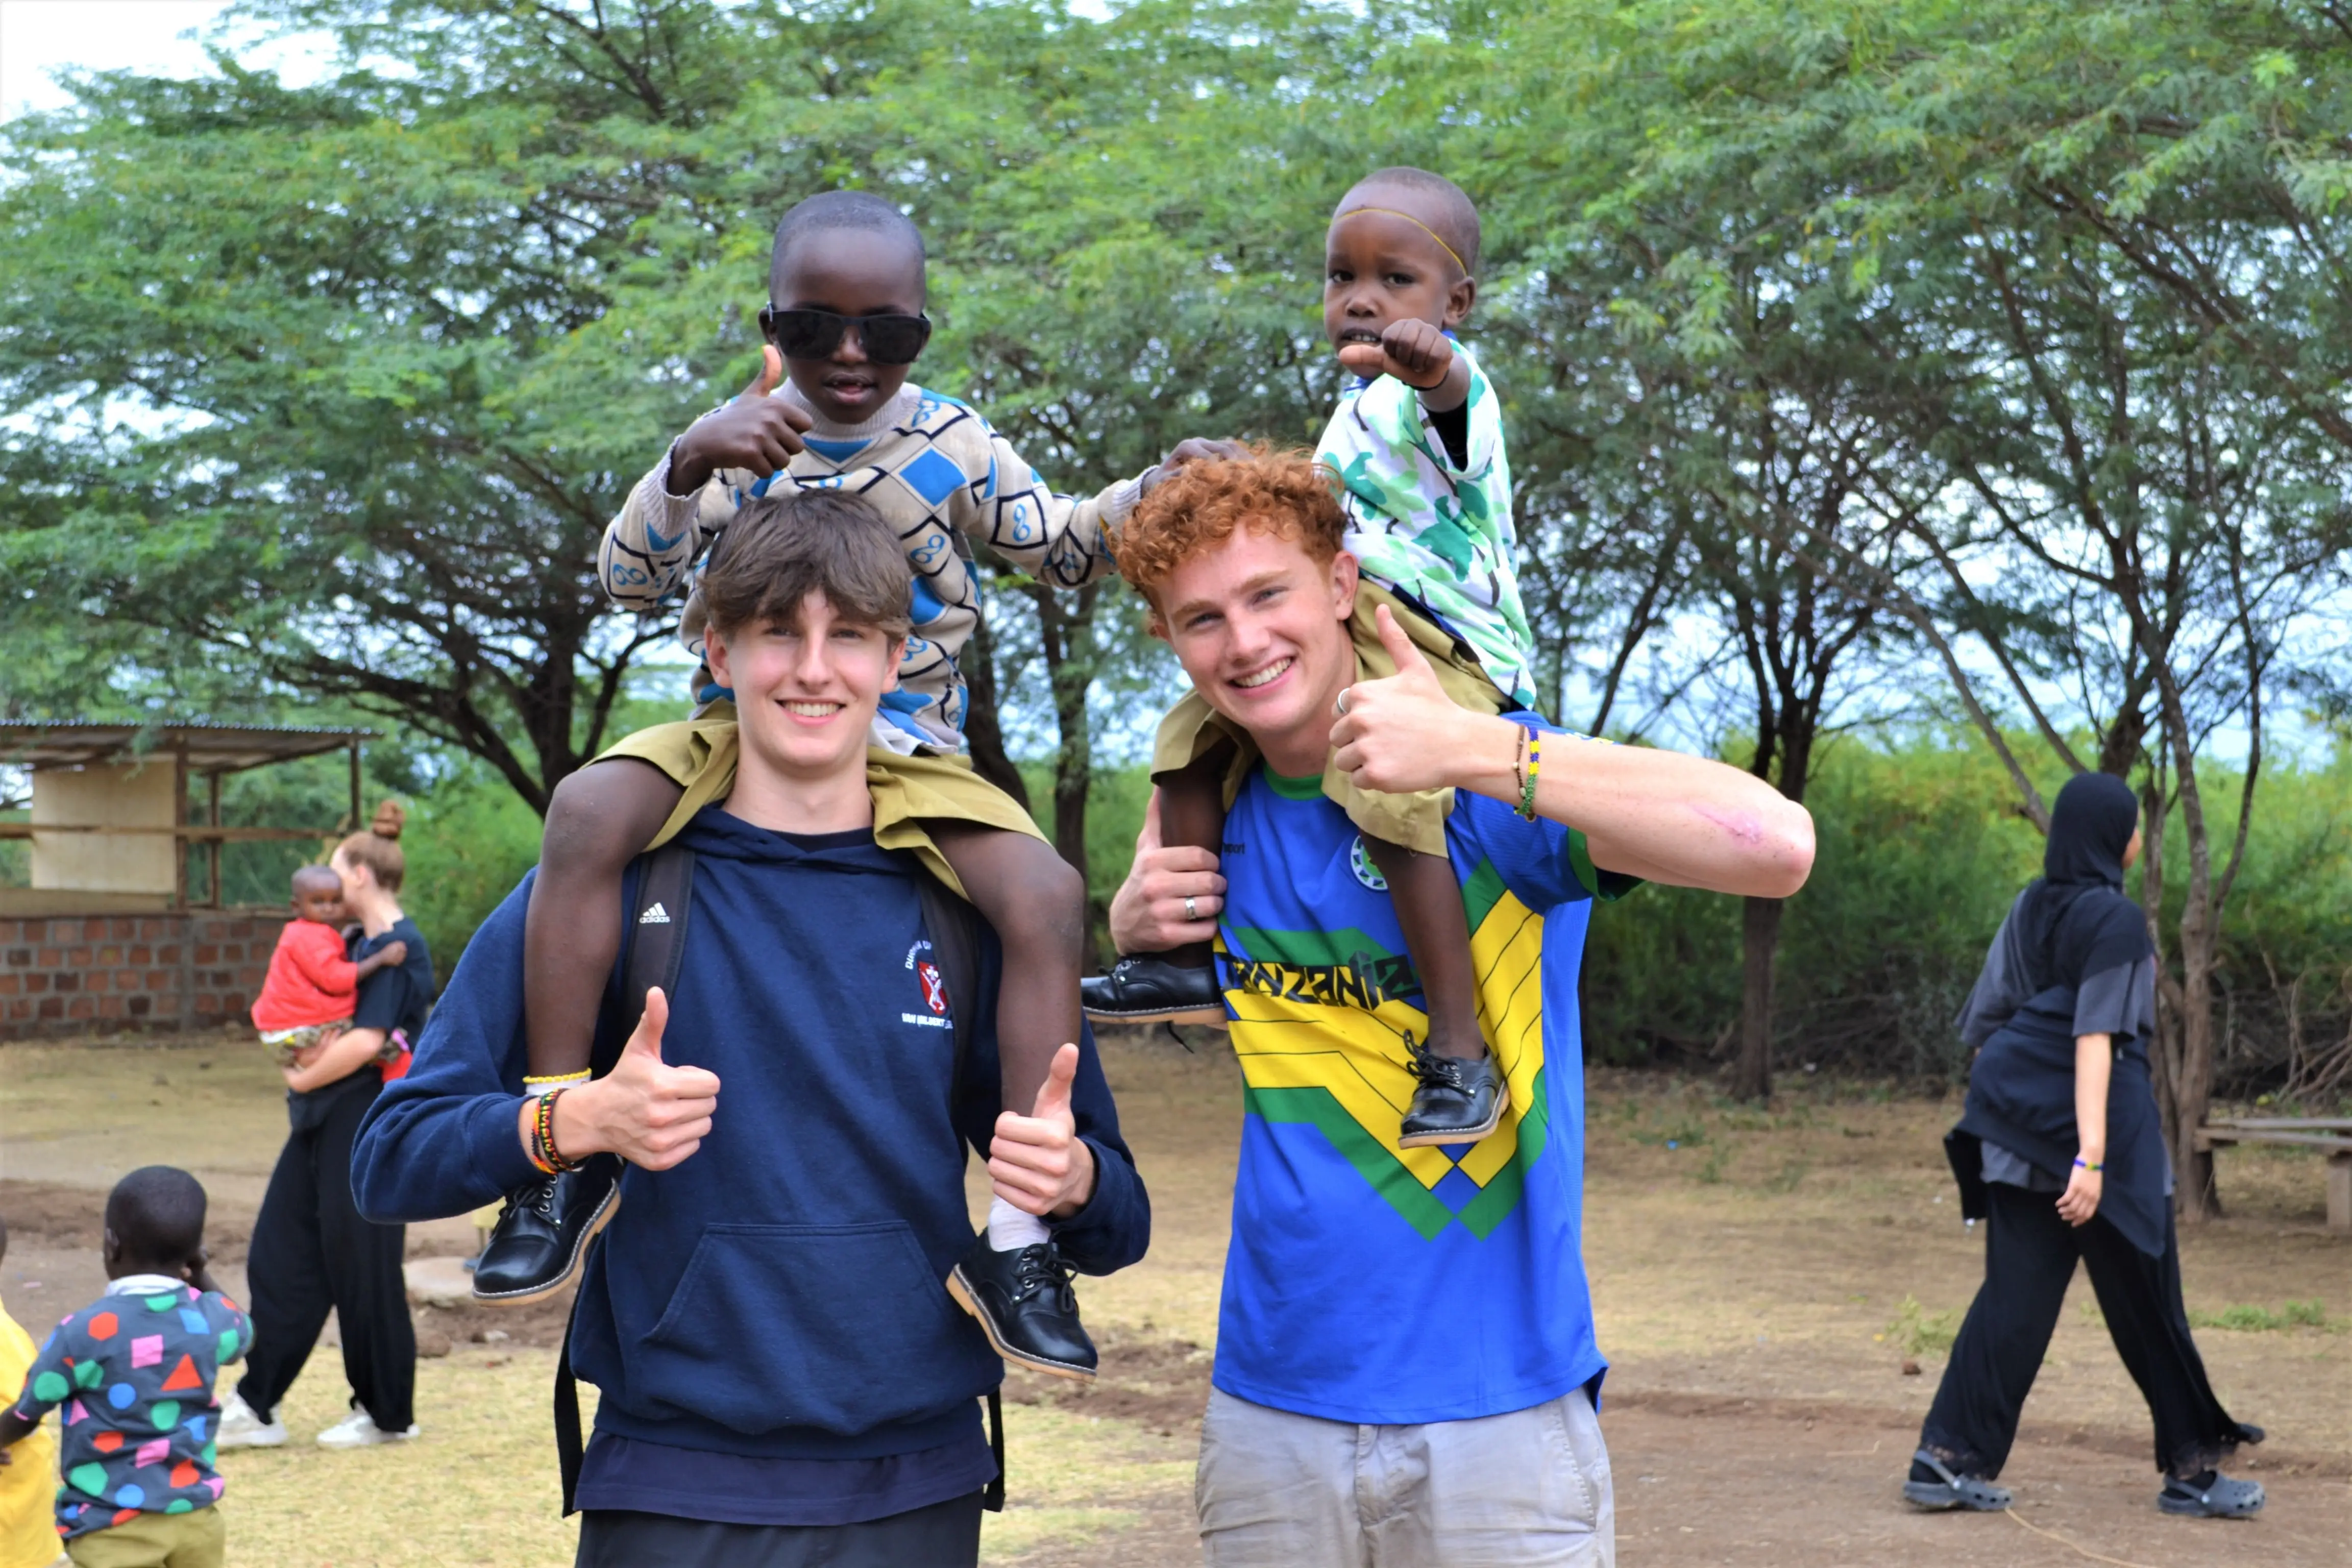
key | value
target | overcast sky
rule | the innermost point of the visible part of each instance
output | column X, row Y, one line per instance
column 39, row 36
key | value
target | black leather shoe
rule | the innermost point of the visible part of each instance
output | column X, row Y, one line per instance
column 1457, row 1103
column 537, row 1245
column 1141, row 989
column 1024, row 1303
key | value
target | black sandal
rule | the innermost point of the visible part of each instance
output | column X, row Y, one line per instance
column 1952, row 1492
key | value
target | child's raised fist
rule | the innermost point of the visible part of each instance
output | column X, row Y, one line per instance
column 1411, row 350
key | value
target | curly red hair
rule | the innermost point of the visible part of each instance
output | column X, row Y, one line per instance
column 1284, row 492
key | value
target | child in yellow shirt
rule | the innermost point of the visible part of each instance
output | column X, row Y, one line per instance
column 28, row 1471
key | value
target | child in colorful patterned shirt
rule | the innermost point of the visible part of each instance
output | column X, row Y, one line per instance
column 134, row 1372
column 307, row 998
column 1415, row 449
column 847, row 287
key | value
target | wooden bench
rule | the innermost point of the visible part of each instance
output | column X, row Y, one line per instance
column 2332, row 1134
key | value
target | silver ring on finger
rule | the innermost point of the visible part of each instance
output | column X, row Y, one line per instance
column 1191, row 913
column 1339, row 703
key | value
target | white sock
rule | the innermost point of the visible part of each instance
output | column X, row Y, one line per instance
column 1010, row 1229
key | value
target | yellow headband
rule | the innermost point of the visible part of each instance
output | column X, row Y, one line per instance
column 1391, row 212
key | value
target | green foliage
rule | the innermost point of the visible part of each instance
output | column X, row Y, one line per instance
column 1920, row 854
column 1921, row 850
column 1115, row 807
column 2250, row 1318
column 1797, row 308
column 1914, row 1330
column 468, row 842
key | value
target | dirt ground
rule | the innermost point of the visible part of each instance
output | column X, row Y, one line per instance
column 1761, row 1278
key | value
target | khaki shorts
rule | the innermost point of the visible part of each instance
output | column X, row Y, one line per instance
column 1529, row 1488
column 193, row 1540
column 1193, row 732
column 699, row 754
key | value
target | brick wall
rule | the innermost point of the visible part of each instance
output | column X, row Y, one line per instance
column 77, row 973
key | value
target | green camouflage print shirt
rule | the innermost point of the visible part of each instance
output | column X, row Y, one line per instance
column 1425, row 527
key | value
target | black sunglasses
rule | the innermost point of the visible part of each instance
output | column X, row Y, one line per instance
column 814, row 335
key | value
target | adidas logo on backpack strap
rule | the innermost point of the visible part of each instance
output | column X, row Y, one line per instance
column 656, row 916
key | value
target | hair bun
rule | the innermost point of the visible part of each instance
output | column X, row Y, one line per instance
column 391, row 816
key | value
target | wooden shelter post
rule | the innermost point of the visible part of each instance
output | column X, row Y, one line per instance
column 180, row 820
column 213, row 849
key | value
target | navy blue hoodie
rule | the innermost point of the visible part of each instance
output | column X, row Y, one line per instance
column 778, row 1293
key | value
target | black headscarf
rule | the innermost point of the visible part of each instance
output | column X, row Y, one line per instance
column 2075, row 922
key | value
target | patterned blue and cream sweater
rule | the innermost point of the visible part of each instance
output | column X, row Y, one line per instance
column 936, row 470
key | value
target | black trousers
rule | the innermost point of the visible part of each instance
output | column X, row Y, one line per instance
column 2030, row 1256
column 312, row 1251
column 943, row 1535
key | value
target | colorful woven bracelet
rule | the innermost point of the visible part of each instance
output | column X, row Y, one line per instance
column 2083, row 1164
column 543, row 1127
column 583, row 1076
column 1535, row 766
column 531, row 1141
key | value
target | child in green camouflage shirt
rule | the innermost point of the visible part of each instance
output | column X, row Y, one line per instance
column 1415, row 447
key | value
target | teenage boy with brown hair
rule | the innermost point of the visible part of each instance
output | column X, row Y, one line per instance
column 784, row 1379
column 846, row 286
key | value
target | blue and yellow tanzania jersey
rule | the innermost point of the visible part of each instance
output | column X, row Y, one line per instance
column 1365, row 1283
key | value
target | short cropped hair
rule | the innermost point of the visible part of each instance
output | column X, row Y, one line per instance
column 157, row 1215
column 1284, row 492
column 832, row 210
column 782, row 548
column 1449, row 204
column 318, row 878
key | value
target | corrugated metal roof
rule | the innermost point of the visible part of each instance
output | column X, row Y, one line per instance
column 209, row 747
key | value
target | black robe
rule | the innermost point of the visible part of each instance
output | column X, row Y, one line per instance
column 2072, row 958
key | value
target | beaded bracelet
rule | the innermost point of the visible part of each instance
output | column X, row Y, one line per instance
column 531, row 1144
column 1535, row 765
column 545, row 1155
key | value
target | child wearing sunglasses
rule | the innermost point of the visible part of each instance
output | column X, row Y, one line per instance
column 845, row 323
column 1415, row 447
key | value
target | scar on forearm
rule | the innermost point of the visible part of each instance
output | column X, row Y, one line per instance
column 1745, row 826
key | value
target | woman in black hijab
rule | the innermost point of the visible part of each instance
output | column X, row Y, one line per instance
column 2061, row 1150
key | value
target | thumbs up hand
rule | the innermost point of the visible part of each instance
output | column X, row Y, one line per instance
column 649, row 1113
column 1403, row 733
column 757, row 432
column 1039, row 1163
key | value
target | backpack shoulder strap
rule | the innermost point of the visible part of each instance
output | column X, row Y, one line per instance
column 953, row 926
column 654, row 945
column 652, row 951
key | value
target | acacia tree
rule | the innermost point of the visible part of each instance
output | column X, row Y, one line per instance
column 2147, row 505
column 398, row 344
column 1716, row 387
column 2140, row 247
column 321, row 388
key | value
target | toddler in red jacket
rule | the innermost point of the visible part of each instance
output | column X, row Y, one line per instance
column 313, row 987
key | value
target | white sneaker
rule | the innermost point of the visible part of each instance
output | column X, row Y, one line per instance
column 241, row 1428
column 359, row 1430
